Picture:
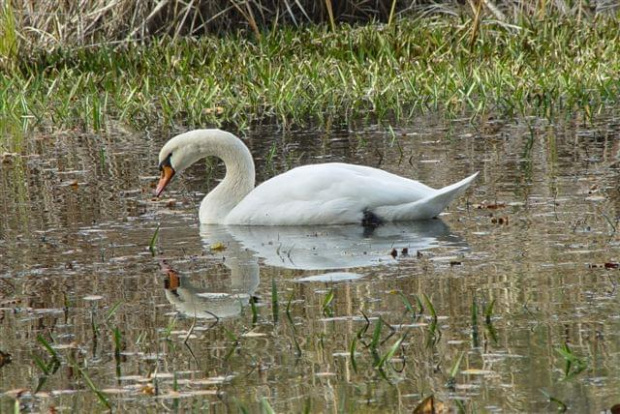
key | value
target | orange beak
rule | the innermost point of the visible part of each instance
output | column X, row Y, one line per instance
column 167, row 172
column 172, row 281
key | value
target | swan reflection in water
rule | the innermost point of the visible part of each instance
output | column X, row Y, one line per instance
column 314, row 248
column 222, row 300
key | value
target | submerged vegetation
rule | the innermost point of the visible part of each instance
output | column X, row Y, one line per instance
column 455, row 64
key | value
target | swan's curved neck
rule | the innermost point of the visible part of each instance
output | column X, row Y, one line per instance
column 238, row 182
column 240, row 173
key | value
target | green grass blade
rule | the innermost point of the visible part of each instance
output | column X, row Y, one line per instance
column 118, row 343
column 352, row 348
column 113, row 310
column 254, row 310
column 327, row 304
column 488, row 311
column 41, row 364
column 118, row 347
column 390, row 353
column 376, row 335
column 153, row 241
column 275, row 306
column 100, row 395
column 455, row 367
column 407, row 304
column 288, row 312
column 265, row 406
column 474, row 313
column 430, row 307
column 48, row 347
column 364, row 328
column 289, row 317
column 571, row 360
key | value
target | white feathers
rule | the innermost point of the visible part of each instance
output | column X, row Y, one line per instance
column 332, row 193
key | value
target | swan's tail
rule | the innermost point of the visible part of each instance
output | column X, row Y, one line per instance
column 428, row 207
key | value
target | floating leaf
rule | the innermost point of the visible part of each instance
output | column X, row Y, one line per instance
column 500, row 220
column 494, row 206
column 218, row 247
column 5, row 358
column 148, row 389
column 429, row 406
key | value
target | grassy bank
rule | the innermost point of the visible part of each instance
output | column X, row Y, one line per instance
column 456, row 66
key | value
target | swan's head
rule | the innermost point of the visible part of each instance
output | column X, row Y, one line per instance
column 180, row 152
column 183, row 150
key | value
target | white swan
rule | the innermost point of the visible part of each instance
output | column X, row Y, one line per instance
column 319, row 194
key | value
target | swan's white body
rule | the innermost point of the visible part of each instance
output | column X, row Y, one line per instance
column 321, row 194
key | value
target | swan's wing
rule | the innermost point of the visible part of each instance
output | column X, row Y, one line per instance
column 325, row 194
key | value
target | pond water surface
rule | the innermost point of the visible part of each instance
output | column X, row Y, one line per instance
column 507, row 303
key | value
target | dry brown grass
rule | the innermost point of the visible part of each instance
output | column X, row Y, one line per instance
column 51, row 24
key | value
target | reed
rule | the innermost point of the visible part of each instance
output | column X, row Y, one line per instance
column 93, row 22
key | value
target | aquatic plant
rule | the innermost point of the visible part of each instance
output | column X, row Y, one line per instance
column 573, row 365
column 275, row 304
column 153, row 241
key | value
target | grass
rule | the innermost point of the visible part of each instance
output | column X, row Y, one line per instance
column 100, row 395
column 543, row 67
column 153, row 241
column 48, row 368
column 327, row 306
column 289, row 317
column 573, row 365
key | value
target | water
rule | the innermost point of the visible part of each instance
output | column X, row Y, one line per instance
column 533, row 244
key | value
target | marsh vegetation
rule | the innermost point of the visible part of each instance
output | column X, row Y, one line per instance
column 450, row 65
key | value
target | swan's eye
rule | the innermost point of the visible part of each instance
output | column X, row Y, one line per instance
column 165, row 162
